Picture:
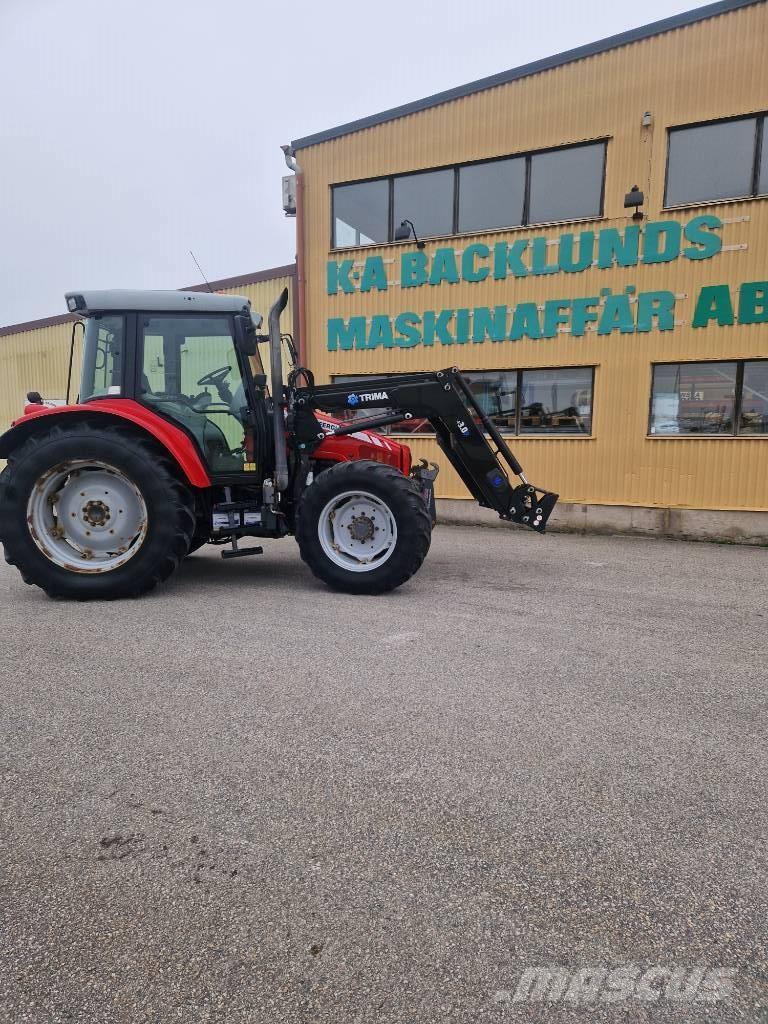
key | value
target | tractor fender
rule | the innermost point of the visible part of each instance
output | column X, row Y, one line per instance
column 179, row 446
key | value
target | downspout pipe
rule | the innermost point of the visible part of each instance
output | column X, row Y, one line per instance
column 292, row 164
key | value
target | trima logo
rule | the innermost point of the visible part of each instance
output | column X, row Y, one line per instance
column 367, row 396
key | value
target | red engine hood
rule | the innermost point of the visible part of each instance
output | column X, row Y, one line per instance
column 363, row 444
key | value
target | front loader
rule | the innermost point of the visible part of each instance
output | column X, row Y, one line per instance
column 177, row 439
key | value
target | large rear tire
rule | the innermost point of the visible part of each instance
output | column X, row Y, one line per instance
column 92, row 512
column 199, row 540
column 363, row 527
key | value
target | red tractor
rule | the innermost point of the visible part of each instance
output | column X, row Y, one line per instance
column 177, row 440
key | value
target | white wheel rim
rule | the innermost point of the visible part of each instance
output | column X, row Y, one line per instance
column 357, row 531
column 86, row 516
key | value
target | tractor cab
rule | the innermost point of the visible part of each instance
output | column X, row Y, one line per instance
column 190, row 357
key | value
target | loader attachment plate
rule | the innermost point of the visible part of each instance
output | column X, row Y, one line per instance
column 531, row 506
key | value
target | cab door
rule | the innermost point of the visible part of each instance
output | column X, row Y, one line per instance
column 191, row 372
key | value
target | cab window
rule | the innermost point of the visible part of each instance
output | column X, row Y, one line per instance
column 102, row 357
column 190, row 373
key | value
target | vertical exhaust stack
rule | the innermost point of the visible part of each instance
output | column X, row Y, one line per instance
column 278, row 391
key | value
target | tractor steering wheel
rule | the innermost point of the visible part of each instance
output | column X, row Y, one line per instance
column 215, row 377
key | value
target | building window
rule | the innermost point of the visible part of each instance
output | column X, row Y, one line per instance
column 495, row 391
column 553, row 185
column 567, row 183
column 762, row 179
column 552, row 401
column 725, row 398
column 427, row 200
column 492, row 195
column 753, row 407
column 556, row 401
column 722, row 160
column 361, row 214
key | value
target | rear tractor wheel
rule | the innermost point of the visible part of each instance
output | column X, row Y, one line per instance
column 93, row 512
column 363, row 527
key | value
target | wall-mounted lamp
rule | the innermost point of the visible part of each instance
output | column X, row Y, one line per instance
column 634, row 199
column 647, row 120
column 404, row 232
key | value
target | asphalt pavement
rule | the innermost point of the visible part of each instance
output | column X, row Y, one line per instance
column 246, row 798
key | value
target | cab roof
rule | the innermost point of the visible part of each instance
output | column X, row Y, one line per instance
column 113, row 300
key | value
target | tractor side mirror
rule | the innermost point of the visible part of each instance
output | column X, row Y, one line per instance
column 245, row 335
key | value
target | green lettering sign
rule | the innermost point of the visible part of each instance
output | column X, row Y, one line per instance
column 346, row 336
column 374, row 275
column 408, row 333
column 487, row 323
column 753, row 302
column 713, row 303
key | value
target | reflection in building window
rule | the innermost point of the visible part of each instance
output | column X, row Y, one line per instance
column 753, row 417
column 550, row 185
column 492, row 195
column 556, row 401
column 495, row 391
column 361, row 213
column 702, row 398
column 716, row 161
column 427, row 200
column 566, row 184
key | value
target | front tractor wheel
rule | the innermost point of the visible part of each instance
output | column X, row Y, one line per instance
column 93, row 512
column 363, row 527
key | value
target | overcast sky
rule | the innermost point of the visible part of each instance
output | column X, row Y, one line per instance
column 135, row 130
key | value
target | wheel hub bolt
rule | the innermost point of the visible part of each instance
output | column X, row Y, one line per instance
column 361, row 528
column 96, row 513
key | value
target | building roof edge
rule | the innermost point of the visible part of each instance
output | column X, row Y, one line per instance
column 557, row 60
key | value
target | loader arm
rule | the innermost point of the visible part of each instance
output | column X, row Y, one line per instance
column 445, row 399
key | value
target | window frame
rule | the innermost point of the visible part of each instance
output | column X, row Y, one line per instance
column 390, row 209
column 415, row 174
column 518, row 372
column 525, row 155
column 738, row 400
column 760, row 117
column 519, row 408
column 526, row 158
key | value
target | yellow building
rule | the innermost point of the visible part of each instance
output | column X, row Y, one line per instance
column 585, row 236
column 595, row 255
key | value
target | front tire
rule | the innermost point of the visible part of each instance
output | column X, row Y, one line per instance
column 92, row 512
column 363, row 527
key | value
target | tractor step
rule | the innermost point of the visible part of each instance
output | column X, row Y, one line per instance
column 242, row 552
